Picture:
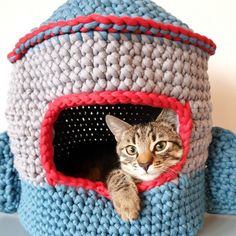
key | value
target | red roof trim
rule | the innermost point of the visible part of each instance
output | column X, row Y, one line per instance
column 45, row 32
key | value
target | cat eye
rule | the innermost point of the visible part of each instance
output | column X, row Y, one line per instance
column 131, row 150
column 160, row 146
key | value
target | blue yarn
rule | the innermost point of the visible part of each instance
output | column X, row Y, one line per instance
column 128, row 35
column 221, row 173
column 116, row 36
column 133, row 8
column 142, row 8
column 166, row 210
column 9, row 181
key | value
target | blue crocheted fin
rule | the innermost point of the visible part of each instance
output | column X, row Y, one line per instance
column 221, row 173
column 133, row 8
column 9, row 181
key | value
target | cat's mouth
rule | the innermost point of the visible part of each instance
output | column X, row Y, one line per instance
column 145, row 175
column 74, row 132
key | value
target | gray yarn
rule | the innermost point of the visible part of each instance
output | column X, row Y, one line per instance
column 65, row 65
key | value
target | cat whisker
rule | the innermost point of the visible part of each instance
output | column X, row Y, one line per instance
column 142, row 142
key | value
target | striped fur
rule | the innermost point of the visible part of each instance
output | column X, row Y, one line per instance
column 145, row 151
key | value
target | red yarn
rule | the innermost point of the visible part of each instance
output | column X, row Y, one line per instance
column 110, row 20
column 105, row 98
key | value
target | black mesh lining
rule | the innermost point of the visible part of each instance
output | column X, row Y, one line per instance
column 81, row 132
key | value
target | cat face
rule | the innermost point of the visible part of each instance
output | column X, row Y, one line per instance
column 147, row 150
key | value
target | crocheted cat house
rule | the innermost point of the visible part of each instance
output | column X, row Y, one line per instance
column 128, row 58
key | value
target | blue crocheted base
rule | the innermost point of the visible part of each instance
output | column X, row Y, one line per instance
column 221, row 173
column 168, row 210
column 9, row 180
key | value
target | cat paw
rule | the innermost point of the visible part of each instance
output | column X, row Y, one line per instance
column 128, row 206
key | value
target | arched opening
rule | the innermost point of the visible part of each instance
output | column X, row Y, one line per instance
column 74, row 132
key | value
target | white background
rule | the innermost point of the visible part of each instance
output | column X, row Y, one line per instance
column 213, row 18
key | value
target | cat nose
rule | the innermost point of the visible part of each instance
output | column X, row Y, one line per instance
column 145, row 165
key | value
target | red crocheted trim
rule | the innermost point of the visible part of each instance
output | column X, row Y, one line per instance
column 167, row 31
column 104, row 98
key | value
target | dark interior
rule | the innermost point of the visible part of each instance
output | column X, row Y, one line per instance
column 82, row 136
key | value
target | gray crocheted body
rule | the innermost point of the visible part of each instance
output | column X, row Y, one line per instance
column 127, row 58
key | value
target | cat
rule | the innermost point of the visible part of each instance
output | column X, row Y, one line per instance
column 145, row 151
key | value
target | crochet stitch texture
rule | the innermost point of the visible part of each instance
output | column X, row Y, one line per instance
column 9, row 180
column 50, row 198
column 63, row 210
column 91, row 58
column 221, row 174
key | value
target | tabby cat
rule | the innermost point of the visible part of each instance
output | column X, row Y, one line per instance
column 145, row 151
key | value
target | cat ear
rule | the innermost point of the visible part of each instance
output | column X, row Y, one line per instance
column 116, row 126
column 169, row 117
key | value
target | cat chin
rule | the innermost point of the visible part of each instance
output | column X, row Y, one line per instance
column 147, row 177
column 141, row 174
